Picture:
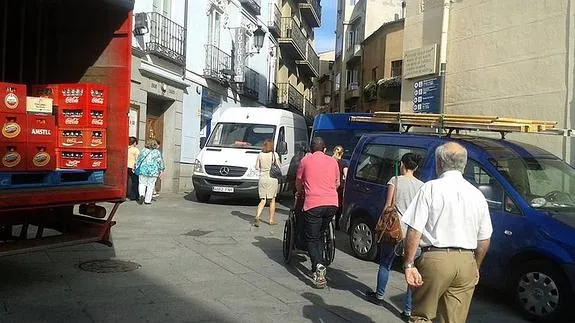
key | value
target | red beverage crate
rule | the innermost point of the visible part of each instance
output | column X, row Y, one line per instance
column 95, row 138
column 13, row 127
column 41, row 128
column 71, row 117
column 70, row 158
column 12, row 157
column 72, row 137
column 41, row 156
column 73, row 95
column 12, row 98
column 95, row 159
column 96, row 117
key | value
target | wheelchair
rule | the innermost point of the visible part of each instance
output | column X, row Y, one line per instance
column 294, row 236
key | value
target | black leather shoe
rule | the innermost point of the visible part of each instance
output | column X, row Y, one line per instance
column 372, row 297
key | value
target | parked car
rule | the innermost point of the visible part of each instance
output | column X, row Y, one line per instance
column 531, row 196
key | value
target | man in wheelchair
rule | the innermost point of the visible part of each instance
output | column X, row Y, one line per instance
column 317, row 180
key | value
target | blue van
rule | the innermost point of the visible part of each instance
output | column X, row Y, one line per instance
column 531, row 196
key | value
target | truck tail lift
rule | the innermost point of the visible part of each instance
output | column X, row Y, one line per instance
column 446, row 124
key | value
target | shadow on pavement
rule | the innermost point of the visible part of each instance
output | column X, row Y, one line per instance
column 311, row 311
column 224, row 200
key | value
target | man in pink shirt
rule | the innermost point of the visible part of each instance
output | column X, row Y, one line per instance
column 317, row 181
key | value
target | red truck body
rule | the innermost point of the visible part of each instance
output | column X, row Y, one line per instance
column 59, row 42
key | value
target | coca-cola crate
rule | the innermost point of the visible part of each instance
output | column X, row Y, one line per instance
column 96, row 117
column 12, row 156
column 72, row 137
column 71, row 117
column 12, row 98
column 41, row 156
column 13, row 127
column 95, row 138
column 95, row 159
column 70, row 158
column 74, row 95
column 41, row 128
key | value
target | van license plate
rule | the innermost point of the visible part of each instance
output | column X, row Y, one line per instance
column 223, row 189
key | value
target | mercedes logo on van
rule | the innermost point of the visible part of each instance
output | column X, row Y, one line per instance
column 224, row 171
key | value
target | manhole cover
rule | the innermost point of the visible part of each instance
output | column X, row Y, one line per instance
column 109, row 266
column 197, row 233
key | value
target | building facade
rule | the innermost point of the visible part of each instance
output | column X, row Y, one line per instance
column 498, row 60
column 323, row 85
column 158, row 83
column 356, row 20
column 381, row 68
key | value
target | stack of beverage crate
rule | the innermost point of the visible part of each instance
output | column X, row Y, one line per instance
column 60, row 126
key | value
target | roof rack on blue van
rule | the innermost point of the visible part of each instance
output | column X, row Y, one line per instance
column 446, row 124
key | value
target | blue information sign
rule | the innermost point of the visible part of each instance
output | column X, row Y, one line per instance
column 426, row 95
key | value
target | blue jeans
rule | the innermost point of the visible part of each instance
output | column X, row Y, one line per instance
column 386, row 257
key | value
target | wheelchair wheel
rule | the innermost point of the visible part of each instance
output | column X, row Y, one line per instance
column 288, row 242
column 329, row 252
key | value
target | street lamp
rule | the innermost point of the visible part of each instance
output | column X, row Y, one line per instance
column 259, row 36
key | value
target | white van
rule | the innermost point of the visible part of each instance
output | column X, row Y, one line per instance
column 226, row 163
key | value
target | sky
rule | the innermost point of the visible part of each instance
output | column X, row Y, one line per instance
column 325, row 35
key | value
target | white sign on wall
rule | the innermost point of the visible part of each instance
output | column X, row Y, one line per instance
column 420, row 62
column 133, row 120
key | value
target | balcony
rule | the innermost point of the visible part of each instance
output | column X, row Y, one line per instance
column 274, row 19
column 309, row 66
column 292, row 40
column 310, row 109
column 254, row 6
column 273, row 96
column 218, row 64
column 352, row 91
column 290, row 98
column 353, row 53
column 166, row 38
column 251, row 84
column 311, row 12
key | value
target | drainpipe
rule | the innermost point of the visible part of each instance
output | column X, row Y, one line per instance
column 443, row 52
column 185, row 37
column 570, row 82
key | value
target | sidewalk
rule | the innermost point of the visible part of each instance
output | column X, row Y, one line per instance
column 199, row 262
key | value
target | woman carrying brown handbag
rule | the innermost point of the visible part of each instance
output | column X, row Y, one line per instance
column 400, row 191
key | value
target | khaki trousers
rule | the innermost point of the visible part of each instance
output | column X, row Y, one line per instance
column 448, row 284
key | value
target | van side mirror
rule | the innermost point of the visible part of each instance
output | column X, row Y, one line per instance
column 203, row 142
column 282, row 148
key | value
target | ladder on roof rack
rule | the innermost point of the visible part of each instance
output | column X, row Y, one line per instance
column 448, row 123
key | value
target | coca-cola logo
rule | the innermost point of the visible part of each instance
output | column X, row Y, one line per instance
column 96, row 164
column 72, row 99
column 97, row 100
column 98, row 122
column 72, row 121
column 41, row 132
column 97, row 142
column 72, row 163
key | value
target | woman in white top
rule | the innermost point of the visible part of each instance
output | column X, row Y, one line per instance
column 267, row 185
column 400, row 191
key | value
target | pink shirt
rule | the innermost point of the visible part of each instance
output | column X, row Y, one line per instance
column 319, row 175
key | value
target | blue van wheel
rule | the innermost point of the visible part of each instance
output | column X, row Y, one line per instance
column 362, row 238
column 541, row 291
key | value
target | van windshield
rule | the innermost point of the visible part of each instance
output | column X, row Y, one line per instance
column 543, row 182
column 348, row 139
column 241, row 135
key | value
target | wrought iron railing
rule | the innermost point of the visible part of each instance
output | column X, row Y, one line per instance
column 273, row 95
column 251, row 83
column 218, row 63
column 288, row 94
column 316, row 7
column 291, row 30
column 310, row 108
column 274, row 19
column 255, row 5
column 312, row 58
column 167, row 38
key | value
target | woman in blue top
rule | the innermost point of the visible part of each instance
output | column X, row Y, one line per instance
column 149, row 166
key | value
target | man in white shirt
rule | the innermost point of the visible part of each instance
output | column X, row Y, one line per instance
column 449, row 219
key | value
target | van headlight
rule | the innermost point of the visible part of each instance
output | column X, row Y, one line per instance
column 253, row 173
column 198, row 166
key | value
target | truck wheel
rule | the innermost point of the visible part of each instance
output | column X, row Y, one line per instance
column 202, row 197
column 362, row 239
column 541, row 292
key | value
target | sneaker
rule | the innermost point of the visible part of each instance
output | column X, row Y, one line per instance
column 141, row 200
column 374, row 297
column 319, row 276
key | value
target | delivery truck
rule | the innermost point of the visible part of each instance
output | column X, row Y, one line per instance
column 64, row 77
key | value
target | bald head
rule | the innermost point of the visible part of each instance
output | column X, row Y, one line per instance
column 450, row 156
column 317, row 144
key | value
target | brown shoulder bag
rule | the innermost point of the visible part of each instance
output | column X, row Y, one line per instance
column 388, row 227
